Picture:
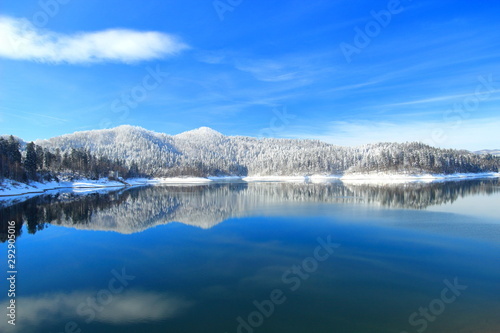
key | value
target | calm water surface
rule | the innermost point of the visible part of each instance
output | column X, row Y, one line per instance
column 260, row 257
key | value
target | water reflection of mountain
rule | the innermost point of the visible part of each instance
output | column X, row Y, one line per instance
column 136, row 209
column 422, row 195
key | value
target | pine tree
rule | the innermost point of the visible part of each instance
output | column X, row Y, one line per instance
column 39, row 157
column 30, row 161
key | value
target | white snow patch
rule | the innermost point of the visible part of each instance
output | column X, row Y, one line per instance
column 275, row 179
column 180, row 180
column 225, row 178
column 383, row 178
column 13, row 188
column 323, row 178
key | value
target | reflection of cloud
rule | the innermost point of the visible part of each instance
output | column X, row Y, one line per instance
column 132, row 306
column 142, row 306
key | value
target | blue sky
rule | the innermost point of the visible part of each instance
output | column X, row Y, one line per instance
column 340, row 71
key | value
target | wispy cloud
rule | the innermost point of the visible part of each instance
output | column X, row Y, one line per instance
column 268, row 71
column 441, row 98
column 211, row 57
column 353, row 86
column 303, row 67
column 21, row 40
column 458, row 134
column 45, row 116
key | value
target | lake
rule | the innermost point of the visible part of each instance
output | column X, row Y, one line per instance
column 257, row 257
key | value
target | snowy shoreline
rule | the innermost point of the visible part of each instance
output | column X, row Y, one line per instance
column 11, row 188
column 374, row 177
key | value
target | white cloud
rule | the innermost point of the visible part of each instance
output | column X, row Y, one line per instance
column 131, row 306
column 21, row 40
column 471, row 134
column 267, row 71
column 212, row 57
column 446, row 98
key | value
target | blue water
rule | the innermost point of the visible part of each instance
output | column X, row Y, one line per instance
column 252, row 258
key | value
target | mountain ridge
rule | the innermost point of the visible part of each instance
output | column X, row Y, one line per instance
column 494, row 152
column 207, row 152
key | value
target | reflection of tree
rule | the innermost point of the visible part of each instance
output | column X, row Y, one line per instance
column 137, row 209
column 56, row 208
column 10, row 213
column 421, row 195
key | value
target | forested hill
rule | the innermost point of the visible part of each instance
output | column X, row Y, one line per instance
column 494, row 152
column 205, row 152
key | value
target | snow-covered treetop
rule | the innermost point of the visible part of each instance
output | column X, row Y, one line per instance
column 204, row 151
column 202, row 132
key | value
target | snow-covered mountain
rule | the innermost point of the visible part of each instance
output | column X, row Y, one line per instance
column 494, row 152
column 204, row 152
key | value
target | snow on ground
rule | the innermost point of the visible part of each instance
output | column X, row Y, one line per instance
column 384, row 178
column 323, row 178
column 251, row 179
column 10, row 188
column 180, row 180
column 372, row 177
column 226, row 178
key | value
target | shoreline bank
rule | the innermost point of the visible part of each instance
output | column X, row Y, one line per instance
column 11, row 188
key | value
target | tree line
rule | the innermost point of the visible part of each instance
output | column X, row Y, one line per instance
column 128, row 151
column 138, row 208
column 39, row 164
